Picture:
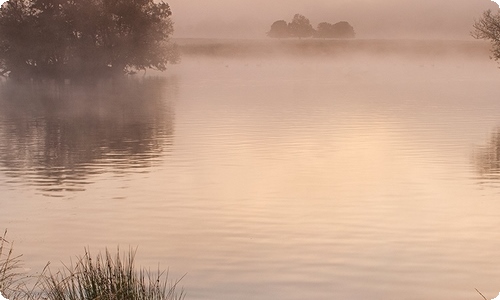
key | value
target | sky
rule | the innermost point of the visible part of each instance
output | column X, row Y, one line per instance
column 450, row 19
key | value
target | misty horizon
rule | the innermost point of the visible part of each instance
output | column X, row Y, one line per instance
column 447, row 19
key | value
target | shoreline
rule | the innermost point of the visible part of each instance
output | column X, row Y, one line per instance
column 332, row 47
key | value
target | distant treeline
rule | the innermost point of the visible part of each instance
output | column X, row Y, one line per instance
column 300, row 27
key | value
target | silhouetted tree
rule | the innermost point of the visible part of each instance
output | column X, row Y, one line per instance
column 324, row 30
column 71, row 38
column 488, row 28
column 279, row 29
column 340, row 30
column 343, row 30
column 300, row 27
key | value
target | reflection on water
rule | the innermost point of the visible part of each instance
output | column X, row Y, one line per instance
column 56, row 136
column 487, row 158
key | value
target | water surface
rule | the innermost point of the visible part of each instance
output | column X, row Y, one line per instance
column 290, row 178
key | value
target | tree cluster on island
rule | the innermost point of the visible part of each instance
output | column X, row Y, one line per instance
column 300, row 27
column 84, row 38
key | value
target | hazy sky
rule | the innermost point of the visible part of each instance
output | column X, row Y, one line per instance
column 370, row 18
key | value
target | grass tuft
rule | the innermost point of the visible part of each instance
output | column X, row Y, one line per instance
column 105, row 277
column 108, row 277
column 9, row 267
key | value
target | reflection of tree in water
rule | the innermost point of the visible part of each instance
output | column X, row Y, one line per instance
column 487, row 158
column 57, row 136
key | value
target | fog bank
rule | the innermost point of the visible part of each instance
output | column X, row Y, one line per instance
column 450, row 19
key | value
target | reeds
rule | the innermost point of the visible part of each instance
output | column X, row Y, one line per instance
column 105, row 277
column 9, row 267
column 108, row 278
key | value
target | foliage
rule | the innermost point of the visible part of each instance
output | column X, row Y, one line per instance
column 324, row 30
column 343, row 30
column 338, row 30
column 300, row 27
column 279, row 29
column 71, row 38
column 488, row 28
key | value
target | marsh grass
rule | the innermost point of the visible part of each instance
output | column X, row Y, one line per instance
column 481, row 294
column 9, row 267
column 108, row 277
column 105, row 277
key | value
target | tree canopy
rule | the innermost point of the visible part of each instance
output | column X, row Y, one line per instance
column 343, row 30
column 338, row 30
column 324, row 30
column 279, row 29
column 73, row 38
column 488, row 28
column 301, row 27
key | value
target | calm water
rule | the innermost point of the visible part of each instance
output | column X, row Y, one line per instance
column 267, row 178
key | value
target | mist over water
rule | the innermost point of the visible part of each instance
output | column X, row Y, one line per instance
column 361, row 169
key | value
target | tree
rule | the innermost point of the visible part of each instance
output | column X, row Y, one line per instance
column 300, row 27
column 488, row 28
column 279, row 29
column 343, row 30
column 72, row 38
column 324, row 30
column 340, row 30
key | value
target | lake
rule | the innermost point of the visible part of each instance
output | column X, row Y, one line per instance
column 364, row 176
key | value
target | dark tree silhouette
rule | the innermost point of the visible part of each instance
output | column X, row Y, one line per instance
column 73, row 38
column 343, row 30
column 340, row 30
column 324, row 30
column 488, row 28
column 300, row 27
column 279, row 29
